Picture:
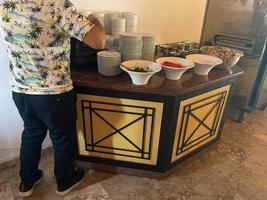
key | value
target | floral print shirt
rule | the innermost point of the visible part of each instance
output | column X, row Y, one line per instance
column 37, row 33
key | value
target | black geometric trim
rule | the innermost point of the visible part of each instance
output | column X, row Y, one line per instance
column 186, row 144
column 94, row 146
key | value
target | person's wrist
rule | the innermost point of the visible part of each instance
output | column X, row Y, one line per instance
column 93, row 19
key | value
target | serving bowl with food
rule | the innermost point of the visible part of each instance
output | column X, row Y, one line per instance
column 229, row 56
column 175, row 67
column 140, row 71
column 204, row 63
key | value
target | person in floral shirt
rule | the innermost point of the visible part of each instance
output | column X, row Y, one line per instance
column 37, row 34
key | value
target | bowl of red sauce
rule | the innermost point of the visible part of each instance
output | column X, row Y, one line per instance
column 175, row 67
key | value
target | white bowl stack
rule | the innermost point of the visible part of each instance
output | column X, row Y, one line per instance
column 109, row 63
column 131, row 21
column 109, row 41
column 107, row 21
column 118, row 26
column 148, row 50
column 112, row 43
column 131, row 46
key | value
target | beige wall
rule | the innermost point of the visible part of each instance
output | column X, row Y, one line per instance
column 169, row 20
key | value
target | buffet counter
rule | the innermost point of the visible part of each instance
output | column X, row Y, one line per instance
column 148, row 130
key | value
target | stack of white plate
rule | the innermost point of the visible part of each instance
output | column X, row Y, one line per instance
column 107, row 21
column 148, row 50
column 118, row 26
column 131, row 46
column 131, row 21
column 109, row 63
column 109, row 41
column 112, row 43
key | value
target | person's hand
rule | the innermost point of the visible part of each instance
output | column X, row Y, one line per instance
column 95, row 38
column 93, row 19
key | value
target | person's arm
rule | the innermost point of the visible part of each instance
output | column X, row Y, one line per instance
column 78, row 26
column 96, row 36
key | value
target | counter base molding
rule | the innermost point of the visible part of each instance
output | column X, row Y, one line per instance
column 107, row 168
column 119, row 129
column 148, row 130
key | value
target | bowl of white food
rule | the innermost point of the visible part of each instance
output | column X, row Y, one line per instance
column 204, row 63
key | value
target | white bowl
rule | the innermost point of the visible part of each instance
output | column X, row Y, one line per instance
column 141, row 78
column 204, row 63
column 173, row 73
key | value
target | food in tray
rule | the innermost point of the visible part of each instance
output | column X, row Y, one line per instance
column 172, row 64
column 229, row 56
column 221, row 51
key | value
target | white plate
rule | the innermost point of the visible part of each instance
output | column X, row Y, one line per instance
column 130, row 36
column 109, row 54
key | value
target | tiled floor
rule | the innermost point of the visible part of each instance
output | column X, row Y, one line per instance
column 233, row 169
column 8, row 154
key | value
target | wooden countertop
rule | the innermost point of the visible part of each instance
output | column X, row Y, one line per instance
column 158, row 84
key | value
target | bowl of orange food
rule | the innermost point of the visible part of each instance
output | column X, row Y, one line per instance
column 175, row 67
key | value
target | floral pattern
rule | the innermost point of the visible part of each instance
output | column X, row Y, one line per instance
column 37, row 33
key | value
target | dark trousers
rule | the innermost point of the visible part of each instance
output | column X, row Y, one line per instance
column 56, row 113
